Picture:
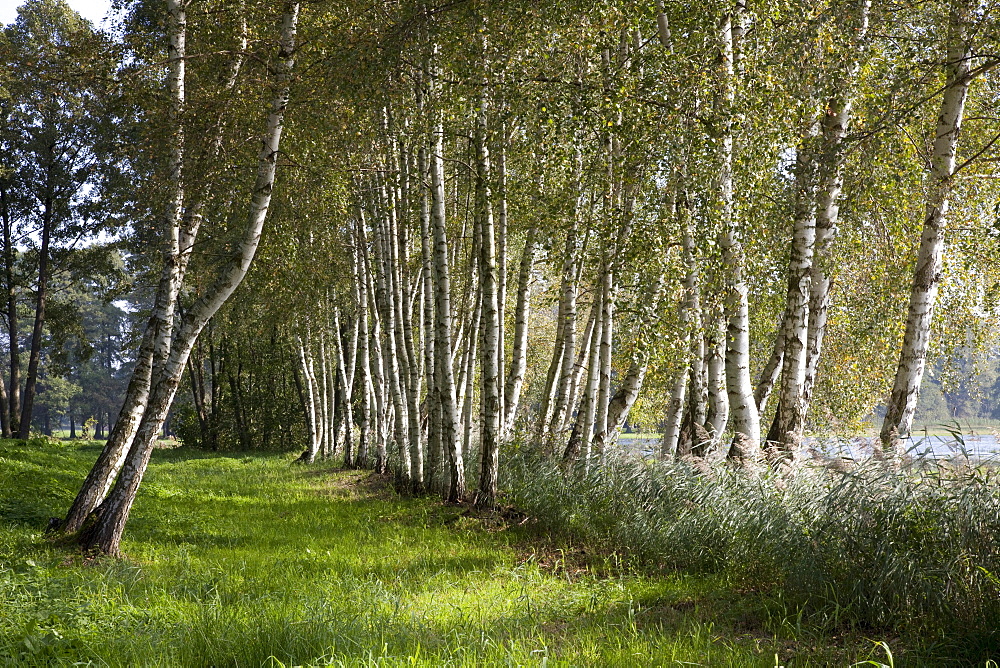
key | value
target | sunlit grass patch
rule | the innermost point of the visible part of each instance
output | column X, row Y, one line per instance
column 254, row 560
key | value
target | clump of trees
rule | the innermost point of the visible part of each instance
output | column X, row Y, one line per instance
column 498, row 222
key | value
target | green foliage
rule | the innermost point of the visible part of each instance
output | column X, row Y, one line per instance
column 910, row 552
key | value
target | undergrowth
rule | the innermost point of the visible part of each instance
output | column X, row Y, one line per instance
column 912, row 553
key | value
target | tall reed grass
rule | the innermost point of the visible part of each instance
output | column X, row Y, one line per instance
column 912, row 551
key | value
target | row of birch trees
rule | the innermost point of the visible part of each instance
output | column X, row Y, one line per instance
column 615, row 176
column 502, row 224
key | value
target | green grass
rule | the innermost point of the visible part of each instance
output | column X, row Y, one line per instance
column 252, row 560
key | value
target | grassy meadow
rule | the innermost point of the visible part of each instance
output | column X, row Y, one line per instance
column 237, row 560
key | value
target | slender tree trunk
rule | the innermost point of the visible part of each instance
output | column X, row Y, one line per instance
column 309, row 396
column 435, row 447
column 404, row 338
column 606, row 331
column 105, row 534
column 790, row 416
column 327, row 411
column 588, row 406
column 690, row 317
column 745, row 420
column 362, row 366
column 377, row 376
column 519, row 352
column 835, row 124
column 385, row 295
column 579, row 365
column 344, row 392
column 35, row 354
column 772, row 368
column 442, row 344
column 501, row 263
column 717, row 416
column 927, row 276
column 567, row 324
column 154, row 341
column 467, row 370
column 490, row 436
column 11, row 410
column 624, row 398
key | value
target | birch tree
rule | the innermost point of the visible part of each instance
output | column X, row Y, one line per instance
column 927, row 275
column 171, row 349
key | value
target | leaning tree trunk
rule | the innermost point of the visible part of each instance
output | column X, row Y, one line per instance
column 835, row 124
column 772, row 368
column 181, row 235
column 927, row 276
column 101, row 476
column 624, row 398
column 104, row 535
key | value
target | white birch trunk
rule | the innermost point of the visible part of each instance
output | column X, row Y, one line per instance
column 790, row 415
column 105, row 534
column 589, row 405
column 743, row 409
column 490, row 437
column 519, row 352
column 717, row 417
column 690, row 317
column 362, row 366
column 567, row 308
column 442, row 344
column 927, row 275
column 835, row 124
column 582, row 356
column 435, row 449
column 310, row 398
column 345, row 396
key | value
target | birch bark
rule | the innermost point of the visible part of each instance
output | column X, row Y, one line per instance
column 717, row 416
column 927, row 276
column 435, row 449
column 789, row 418
column 518, row 356
column 835, row 124
column 490, row 437
column 442, row 344
column 744, row 417
column 105, row 534
column 690, row 314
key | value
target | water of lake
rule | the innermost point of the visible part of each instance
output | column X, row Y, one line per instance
column 973, row 446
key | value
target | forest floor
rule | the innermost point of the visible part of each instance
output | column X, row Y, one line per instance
column 251, row 560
